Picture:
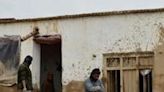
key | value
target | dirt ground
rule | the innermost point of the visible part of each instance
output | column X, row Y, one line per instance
column 11, row 89
column 8, row 89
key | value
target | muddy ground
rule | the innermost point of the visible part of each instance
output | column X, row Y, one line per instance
column 11, row 89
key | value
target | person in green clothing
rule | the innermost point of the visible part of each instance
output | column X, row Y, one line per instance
column 24, row 77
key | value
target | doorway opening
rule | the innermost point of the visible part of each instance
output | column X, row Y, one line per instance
column 51, row 63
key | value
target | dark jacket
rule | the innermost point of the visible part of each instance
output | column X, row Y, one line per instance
column 24, row 73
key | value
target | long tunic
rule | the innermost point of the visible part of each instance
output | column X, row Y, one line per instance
column 24, row 73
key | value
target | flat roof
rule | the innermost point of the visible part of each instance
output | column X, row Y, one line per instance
column 105, row 13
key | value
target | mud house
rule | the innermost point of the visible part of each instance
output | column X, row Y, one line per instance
column 128, row 46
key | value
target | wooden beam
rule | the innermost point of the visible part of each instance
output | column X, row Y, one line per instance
column 48, row 39
column 33, row 33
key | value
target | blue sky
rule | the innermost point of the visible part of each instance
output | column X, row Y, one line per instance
column 45, row 8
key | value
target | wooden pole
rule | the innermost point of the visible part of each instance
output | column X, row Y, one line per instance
column 33, row 33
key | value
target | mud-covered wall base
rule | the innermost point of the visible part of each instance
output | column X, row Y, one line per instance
column 158, row 82
column 74, row 86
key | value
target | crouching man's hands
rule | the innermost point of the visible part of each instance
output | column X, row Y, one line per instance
column 97, row 88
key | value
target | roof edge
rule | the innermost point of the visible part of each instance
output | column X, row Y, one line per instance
column 105, row 13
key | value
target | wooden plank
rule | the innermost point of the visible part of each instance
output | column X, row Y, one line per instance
column 121, row 74
column 129, row 80
column 105, row 73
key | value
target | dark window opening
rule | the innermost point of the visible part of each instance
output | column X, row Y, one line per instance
column 145, row 81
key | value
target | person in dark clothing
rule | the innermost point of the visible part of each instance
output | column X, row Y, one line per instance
column 24, row 77
column 93, row 84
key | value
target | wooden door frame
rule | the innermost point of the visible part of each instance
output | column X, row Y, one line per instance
column 121, row 68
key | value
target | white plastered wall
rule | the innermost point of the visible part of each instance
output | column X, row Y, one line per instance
column 84, row 40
